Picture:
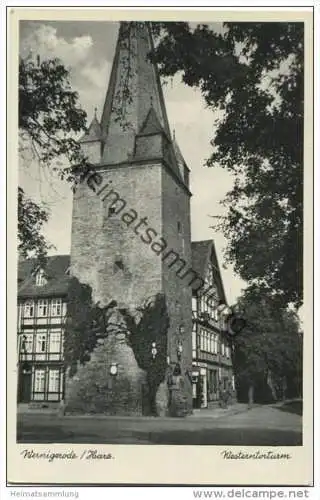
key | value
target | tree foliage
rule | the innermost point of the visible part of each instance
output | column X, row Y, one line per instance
column 30, row 220
column 269, row 349
column 50, row 115
column 253, row 73
column 49, row 119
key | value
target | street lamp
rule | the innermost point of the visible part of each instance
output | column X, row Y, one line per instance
column 113, row 369
column 179, row 350
column 154, row 350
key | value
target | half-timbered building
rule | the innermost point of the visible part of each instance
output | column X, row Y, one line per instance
column 41, row 312
column 211, row 354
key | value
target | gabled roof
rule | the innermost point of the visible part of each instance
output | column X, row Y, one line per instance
column 204, row 254
column 200, row 254
column 93, row 133
column 151, row 124
column 55, row 272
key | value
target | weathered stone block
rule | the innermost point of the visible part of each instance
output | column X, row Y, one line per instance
column 94, row 390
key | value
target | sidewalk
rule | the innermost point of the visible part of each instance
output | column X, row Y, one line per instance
column 214, row 411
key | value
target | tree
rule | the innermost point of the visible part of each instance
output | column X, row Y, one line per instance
column 49, row 119
column 30, row 220
column 253, row 73
column 267, row 354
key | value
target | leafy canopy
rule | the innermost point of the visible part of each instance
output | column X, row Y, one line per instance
column 270, row 343
column 253, row 73
column 49, row 119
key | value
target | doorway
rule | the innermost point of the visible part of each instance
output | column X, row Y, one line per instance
column 25, row 380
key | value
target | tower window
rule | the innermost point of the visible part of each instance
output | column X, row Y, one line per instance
column 179, row 226
column 111, row 211
column 119, row 263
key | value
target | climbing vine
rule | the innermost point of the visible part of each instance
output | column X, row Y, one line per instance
column 86, row 322
column 145, row 329
column 149, row 326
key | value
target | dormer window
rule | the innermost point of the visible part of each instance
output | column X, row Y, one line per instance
column 40, row 278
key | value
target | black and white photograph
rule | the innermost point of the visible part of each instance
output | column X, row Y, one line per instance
column 161, row 234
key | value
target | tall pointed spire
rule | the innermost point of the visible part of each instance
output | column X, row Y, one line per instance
column 134, row 88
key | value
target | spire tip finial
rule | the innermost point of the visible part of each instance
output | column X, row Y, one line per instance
column 95, row 112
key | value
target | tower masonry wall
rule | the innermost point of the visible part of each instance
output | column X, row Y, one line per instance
column 120, row 255
column 177, row 232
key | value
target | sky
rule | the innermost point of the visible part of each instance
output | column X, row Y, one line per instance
column 87, row 50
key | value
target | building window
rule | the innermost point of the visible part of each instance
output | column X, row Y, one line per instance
column 203, row 302
column 215, row 344
column 26, row 341
column 194, row 304
column 56, row 307
column 179, row 226
column 222, row 348
column 201, row 340
column 211, row 343
column 111, row 211
column 43, row 308
column 54, row 381
column 215, row 315
column 41, row 342
column 28, row 309
column 39, row 380
column 194, row 344
column 40, row 278
column 55, row 341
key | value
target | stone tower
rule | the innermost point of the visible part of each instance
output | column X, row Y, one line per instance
column 131, row 226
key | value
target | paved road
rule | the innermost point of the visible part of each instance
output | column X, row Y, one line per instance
column 260, row 426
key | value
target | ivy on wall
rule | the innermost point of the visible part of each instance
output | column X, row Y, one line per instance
column 150, row 325
column 85, row 323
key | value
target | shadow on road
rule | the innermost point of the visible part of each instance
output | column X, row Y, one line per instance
column 295, row 407
column 222, row 437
